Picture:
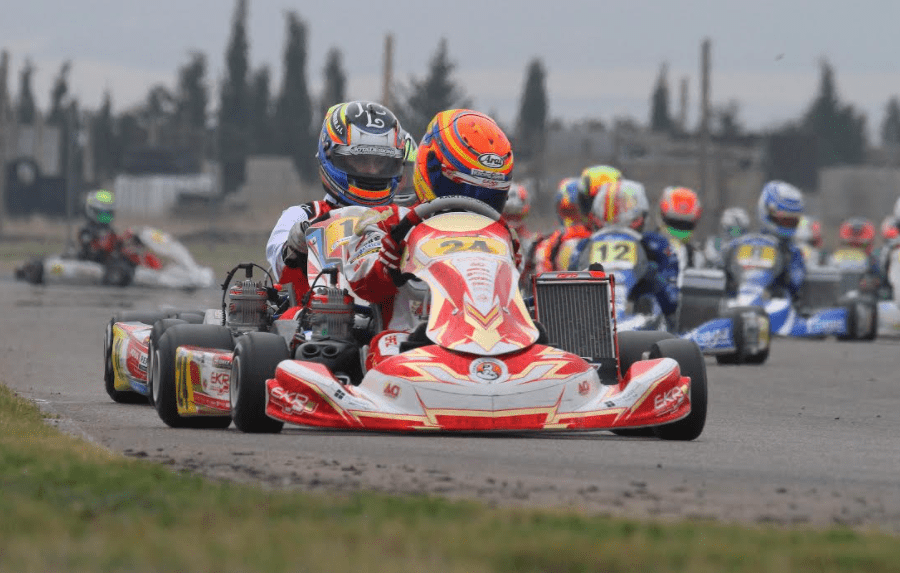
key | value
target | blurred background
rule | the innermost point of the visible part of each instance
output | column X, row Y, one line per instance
column 203, row 115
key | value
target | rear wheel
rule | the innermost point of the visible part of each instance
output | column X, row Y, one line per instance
column 632, row 345
column 123, row 396
column 862, row 319
column 255, row 358
column 164, row 370
column 689, row 358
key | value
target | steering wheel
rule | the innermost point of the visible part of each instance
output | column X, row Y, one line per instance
column 427, row 210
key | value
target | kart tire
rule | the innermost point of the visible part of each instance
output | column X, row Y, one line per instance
column 124, row 396
column 164, row 389
column 740, row 356
column 191, row 317
column 632, row 345
column 159, row 327
column 31, row 272
column 109, row 377
column 255, row 357
column 854, row 306
column 692, row 364
column 118, row 273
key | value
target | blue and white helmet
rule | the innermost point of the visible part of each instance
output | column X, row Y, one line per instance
column 780, row 208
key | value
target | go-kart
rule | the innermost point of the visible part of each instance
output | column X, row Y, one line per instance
column 732, row 335
column 148, row 257
column 189, row 366
column 755, row 262
column 479, row 362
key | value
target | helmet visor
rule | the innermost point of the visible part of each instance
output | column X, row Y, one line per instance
column 679, row 225
column 368, row 161
column 786, row 220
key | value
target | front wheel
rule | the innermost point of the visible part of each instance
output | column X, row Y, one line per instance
column 255, row 358
column 632, row 346
column 165, row 390
column 689, row 358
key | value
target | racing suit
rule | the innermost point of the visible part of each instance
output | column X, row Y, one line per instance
column 662, row 279
column 889, row 264
column 554, row 253
column 291, row 267
column 98, row 242
column 791, row 277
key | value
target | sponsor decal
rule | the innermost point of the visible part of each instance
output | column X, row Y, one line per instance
column 381, row 150
column 56, row 269
column 296, row 402
column 339, row 393
column 584, row 388
column 668, row 401
column 491, row 160
column 223, row 362
column 492, row 175
column 609, row 404
column 142, row 363
column 391, row 390
column 220, row 381
column 488, row 370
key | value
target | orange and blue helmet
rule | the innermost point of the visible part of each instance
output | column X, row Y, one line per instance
column 464, row 152
column 361, row 153
column 567, row 210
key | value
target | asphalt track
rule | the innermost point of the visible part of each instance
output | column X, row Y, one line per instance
column 811, row 437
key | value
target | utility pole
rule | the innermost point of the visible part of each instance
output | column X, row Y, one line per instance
column 5, row 139
column 388, row 77
column 704, row 119
column 71, row 132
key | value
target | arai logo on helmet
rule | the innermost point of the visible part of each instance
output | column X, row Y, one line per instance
column 491, row 160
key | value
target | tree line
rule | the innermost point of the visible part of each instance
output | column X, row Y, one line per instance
column 251, row 118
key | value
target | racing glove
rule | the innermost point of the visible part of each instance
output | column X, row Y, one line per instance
column 390, row 253
column 294, row 251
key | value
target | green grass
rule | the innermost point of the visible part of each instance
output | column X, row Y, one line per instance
column 66, row 505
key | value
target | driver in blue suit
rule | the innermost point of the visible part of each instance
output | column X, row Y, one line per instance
column 622, row 206
column 780, row 208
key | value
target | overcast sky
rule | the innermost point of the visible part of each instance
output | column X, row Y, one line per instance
column 602, row 58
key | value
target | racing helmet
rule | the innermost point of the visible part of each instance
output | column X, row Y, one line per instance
column 679, row 211
column 735, row 222
column 361, row 152
column 779, row 209
column 100, row 206
column 405, row 194
column 464, row 152
column 809, row 232
column 518, row 204
column 890, row 228
column 592, row 178
column 567, row 210
column 857, row 232
column 615, row 206
column 637, row 190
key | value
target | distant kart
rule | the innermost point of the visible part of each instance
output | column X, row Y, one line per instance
column 823, row 309
column 479, row 362
column 732, row 335
column 150, row 257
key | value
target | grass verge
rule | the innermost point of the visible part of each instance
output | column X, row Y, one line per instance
column 67, row 505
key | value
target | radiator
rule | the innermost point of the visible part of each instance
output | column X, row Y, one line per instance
column 576, row 311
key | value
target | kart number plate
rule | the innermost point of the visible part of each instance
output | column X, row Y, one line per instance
column 755, row 256
column 849, row 256
column 614, row 253
column 450, row 245
column 338, row 233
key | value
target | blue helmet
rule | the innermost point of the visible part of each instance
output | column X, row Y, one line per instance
column 780, row 208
